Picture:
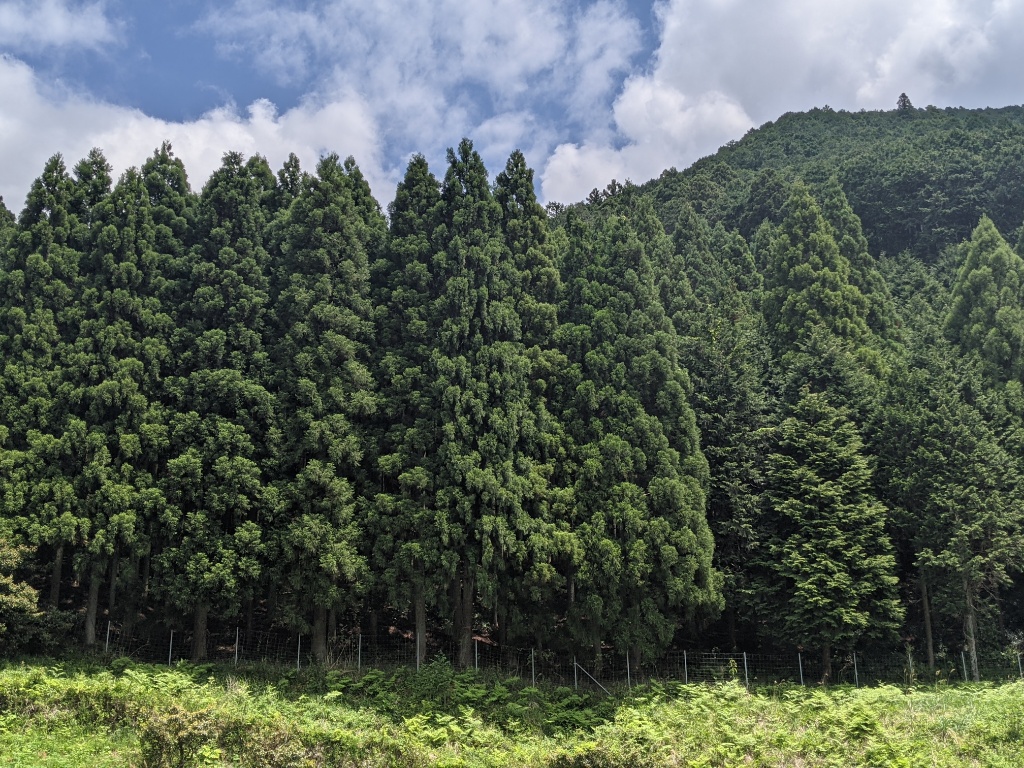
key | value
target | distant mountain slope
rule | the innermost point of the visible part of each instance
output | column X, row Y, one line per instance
column 920, row 179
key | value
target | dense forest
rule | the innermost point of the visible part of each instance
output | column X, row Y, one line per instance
column 771, row 401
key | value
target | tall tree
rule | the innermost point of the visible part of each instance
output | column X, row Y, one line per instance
column 41, row 320
column 224, row 431
column 807, row 280
column 725, row 354
column 987, row 313
column 637, row 475
column 331, row 234
column 405, row 547
column 831, row 565
column 853, row 246
column 486, row 473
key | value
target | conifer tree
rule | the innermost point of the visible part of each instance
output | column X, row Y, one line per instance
column 807, row 280
column 831, row 565
column 724, row 353
column 853, row 246
column 323, row 322
column 987, row 312
column 486, row 474
column 223, row 434
column 405, row 548
column 955, row 491
column 637, row 475
column 41, row 319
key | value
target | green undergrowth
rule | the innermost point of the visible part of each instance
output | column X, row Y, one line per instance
column 128, row 715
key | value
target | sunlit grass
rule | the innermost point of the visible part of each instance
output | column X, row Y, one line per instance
column 37, row 743
column 192, row 716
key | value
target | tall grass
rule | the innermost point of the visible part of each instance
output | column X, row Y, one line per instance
column 205, row 716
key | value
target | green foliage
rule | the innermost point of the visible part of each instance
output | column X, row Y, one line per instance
column 986, row 316
column 167, row 718
column 830, row 561
column 717, row 394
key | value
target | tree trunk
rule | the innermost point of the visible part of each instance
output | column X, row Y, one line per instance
column 826, row 663
column 112, row 594
column 320, row 634
column 419, row 609
column 92, row 605
column 466, row 616
column 58, row 565
column 145, row 577
column 926, row 610
column 271, row 604
column 971, row 630
column 374, row 628
column 332, row 624
column 731, row 619
column 199, row 631
column 249, row 621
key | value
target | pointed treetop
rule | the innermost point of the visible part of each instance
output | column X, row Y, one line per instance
column 415, row 200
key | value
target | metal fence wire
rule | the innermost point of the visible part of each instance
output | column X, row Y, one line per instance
column 358, row 652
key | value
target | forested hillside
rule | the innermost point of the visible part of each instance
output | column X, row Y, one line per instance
column 772, row 401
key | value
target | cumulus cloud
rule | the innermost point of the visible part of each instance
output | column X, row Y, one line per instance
column 559, row 79
column 46, row 122
column 508, row 73
column 723, row 66
column 27, row 26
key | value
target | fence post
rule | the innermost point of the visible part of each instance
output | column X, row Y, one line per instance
column 170, row 648
column 533, row 670
column 298, row 654
column 686, row 670
column 746, row 672
column 575, row 675
column 963, row 660
column 800, row 661
column 106, row 645
column 629, row 677
column 236, row 646
column 359, row 655
column 856, row 677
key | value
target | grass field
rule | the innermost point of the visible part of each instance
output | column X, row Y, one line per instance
column 124, row 715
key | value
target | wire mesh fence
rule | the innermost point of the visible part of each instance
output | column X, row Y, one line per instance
column 357, row 653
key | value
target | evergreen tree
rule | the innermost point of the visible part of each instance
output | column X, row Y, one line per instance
column 955, row 492
column 987, row 312
column 832, row 570
column 853, row 246
column 486, row 474
column 807, row 281
column 223, row 433
column 724, row 353
column 323, row 318
column 765, row 202
column 405, row 546
column 637, row 475
column 41, row 320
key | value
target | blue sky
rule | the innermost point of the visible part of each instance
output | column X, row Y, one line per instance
column 590, row 90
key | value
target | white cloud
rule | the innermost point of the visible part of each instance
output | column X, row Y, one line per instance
column 32, row 26
column 508, row 73
column 35, row 124
column 556, row 78
column 724, row 65
column 661, row 127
